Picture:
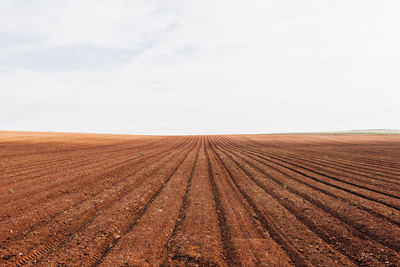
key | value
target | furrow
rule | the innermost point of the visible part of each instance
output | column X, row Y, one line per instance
column 303, row 171
column 252, row 242
column 113, row 177
column 84, row 218
column 383, row 232
column 101, row 256
column 330, row 229
column 181, row 216
column 228, row 249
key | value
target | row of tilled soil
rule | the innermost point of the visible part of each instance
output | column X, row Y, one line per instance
column 199, row 200
column 350, row 228
column 48, row 220
column 63, row 190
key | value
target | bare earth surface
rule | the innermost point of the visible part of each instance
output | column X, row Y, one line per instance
column 245, row 200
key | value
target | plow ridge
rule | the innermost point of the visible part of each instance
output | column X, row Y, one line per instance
column 337, row 186
column 279, row 162
column 228, row 248
column 178, row 223
column 78, row 224
column 339, row 170
column 122, row 163
column 357, row 228
column 356, row 170
column 302, row 168
column 240, row 200
column 337, row 242
column 373, row 212
column 267, row 223
column 327, row 151
column 139, row 214
column 52, row 216
column 327, row 173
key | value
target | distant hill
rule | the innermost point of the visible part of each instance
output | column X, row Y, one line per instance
column 375, row 131
column 366, row 131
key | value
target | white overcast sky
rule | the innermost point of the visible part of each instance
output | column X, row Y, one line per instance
column 197, row 67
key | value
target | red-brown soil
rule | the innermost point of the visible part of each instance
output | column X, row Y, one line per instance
column 240, row 200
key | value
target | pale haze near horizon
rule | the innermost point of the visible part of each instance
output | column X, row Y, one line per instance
column 199, row 67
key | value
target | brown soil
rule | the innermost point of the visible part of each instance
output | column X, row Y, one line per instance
column 251, row 200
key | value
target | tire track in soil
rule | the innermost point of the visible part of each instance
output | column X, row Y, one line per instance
column 326, row 233
column 75, row 226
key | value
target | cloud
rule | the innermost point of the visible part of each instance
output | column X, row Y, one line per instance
column 198, row 66
column 71, row 57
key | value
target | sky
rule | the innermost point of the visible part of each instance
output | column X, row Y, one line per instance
column 199, row 67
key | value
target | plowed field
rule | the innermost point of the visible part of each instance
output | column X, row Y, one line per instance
column 251, row 200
